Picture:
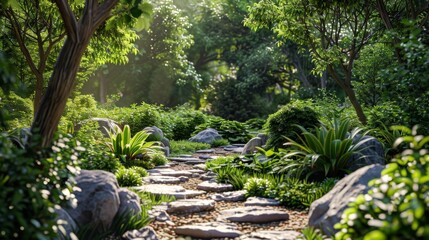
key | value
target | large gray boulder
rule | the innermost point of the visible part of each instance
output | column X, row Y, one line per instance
column 326, row 211
column 372, row 153
column 156, row 134
column 129, row 202
column 105, row 125
column 251, row 145
column 208, row 135
column 98, row 200
column 67, row 226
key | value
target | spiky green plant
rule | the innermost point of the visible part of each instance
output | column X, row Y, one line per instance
column 126, row 147
column 324, row 153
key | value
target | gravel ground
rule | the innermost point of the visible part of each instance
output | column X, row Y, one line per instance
column 297, row 218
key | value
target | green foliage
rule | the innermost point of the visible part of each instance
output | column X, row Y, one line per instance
column 158, row 158
column 255, row 124
column 310, row 233
column 141, row 171
column 126, row 147
column 80, row 108
column 19, row 110
column 386, row 114
column 219, row 142
column 229, row 174
column 300, row 194
column 218, row 162
column 128, row 177
column 140, row 116
column 257, row 187
column 324, row 153
column 181, row 122
column 396, row 206
column 186, row 147
column 283, row 123
column 32, row 185
column 233, row 131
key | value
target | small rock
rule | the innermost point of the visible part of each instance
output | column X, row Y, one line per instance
column 170, row 172
column 129, row 202
column 159, row 215
column 209, row 230
column 146, row 233
column 212, row 186
column 258, row 201
column 205, row 151
column 272, row 235
column 198, row 171
column 190, row 206
column 253, row 215
column 205, row 157
column 234, row 196
column 184, row 179
column 208, row 135
column 177, row 191
column 200, row 166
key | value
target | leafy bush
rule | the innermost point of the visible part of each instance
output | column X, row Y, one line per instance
column 32, row 185
column 158, row 158
column 80, row 108
column 186, row 147
column 283, row 123
column 128, row 177
column 19, row 110
column 140, row 116
column 325, row 153
column 184, row 121
column 126, row 147
column 229, row 174
column 397, row 205
column 310, row 233
column 257, row 187
column 141, row 171
column 233, row 131
column 219, row 142
column 386, row 114
column 255, row 124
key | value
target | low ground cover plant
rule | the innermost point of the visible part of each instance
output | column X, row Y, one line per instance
column 186, row 147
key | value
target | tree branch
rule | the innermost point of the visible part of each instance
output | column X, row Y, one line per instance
column 69, row 19
column 103, row 12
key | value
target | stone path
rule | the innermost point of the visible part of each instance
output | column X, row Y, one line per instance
column 206, row 210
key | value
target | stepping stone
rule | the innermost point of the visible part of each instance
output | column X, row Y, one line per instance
column 262, row 202
column 234, row 196
column 200, row 166
column 190, row 160
column 237, row 150
column 159, row 215
column 212, row 186
column 253, row 215
column 184, row 156
column 161, row 179
column 190, row 206
column 205, row 157
column 239, row 145
column 209, row 176
column 170, row 190
column 272, row 235
column 169, row 172
column 198, row 171
column 205, row 151
column 209, row 230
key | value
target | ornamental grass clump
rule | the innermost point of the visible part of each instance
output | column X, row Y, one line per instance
column 397, row 206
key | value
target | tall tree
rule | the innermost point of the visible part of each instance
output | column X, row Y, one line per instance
column 78, row 32
column 333, row 31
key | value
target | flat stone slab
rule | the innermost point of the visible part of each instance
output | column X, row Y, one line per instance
column 253, row 215
column 239, row 145
column 234, row 196
column 161, row 179
column 200, row 166
column 197, row 171
column 212, row 186
column 209, row 176
column 169, row 172
column 170, row 190
column 205, row 157
column 209, row 230
column 272, row 235
column 258, row 201
column 190, row 206
column 205, row 151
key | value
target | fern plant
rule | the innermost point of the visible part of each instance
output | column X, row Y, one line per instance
column 324, row 153
column 126, row 147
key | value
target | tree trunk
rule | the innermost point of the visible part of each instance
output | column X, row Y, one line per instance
column 38, row 93
column 347, row 88
column 59, row 89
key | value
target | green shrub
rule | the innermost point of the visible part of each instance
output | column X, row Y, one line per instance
column 80, row 108
column 140, row 116
column 233, row 131
column 141, row 171
column 128, row 177
column 158, row 158
column 32, row 185
column 186, row 147
column 218, row 162
column 310, row 233
column 386, row 114
column 257, row 187
column 397, row 205
column 19, row 110
column 185, row 120
column 283, row 123
column 325, row 153
column 255, row 124
column 219, row 142
column 232, row 175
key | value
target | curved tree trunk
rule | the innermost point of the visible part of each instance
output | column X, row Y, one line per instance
column 63, row 77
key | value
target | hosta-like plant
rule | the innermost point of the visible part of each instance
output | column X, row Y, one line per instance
column 325, row 152
column 126, row 147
